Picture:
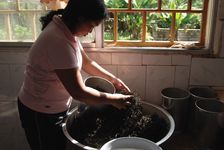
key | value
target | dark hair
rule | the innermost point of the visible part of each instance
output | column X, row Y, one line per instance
column 78, row 11
column 45, row 20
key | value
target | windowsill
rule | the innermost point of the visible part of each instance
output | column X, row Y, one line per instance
column 205, row 52
column 15, row 47
column 161, row 50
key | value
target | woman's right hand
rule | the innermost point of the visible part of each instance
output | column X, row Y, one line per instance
column 121, row 101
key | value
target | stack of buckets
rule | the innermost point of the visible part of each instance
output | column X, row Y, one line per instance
column 197, row 111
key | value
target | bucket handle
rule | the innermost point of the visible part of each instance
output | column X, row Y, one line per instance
column 81, row 107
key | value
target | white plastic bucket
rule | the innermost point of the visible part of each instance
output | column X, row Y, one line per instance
column 130, row 143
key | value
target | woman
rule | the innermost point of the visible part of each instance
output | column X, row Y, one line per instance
column 53, row 75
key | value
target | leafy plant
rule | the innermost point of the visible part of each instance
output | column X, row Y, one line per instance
column 22, row 32
column 191, row 21
column 3, row 34
column 116, row 3
column 144, row 3
column 130, row 23
column 175, row 4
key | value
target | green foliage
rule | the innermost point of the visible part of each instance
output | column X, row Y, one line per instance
column 174, row 4
column 191, row 21
column 164, row 20
column 197, row 4
column 116, row 3
column 144, row 3
column 22, row 33
column 130, row 23
column 3, row 34
column 7, row 5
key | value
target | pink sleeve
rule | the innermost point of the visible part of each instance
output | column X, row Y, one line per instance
column 62, row 56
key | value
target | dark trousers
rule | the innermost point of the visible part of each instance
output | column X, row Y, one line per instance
column 43, row 131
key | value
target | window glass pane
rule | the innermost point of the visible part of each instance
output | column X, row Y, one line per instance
column 188, row 26
column 129, row 26
column 3, row 27
column 174, row 4
column 38, row 24
column 158, row 26
column 116, row 3
column 30, row 4
column 90, row 38
column 8, row 4
column 152, row 4
column 109, row 27
column 197, row 4
column 21, row 25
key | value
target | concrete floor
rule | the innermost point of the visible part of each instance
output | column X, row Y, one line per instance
column 11, row 134
column 180, row 142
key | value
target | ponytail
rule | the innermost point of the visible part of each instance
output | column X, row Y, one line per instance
column 45, row 20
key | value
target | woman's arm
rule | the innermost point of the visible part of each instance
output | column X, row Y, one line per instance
column 93, row 68
column 73, row 82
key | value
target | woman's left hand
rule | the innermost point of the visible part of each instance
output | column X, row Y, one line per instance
column 119, row 85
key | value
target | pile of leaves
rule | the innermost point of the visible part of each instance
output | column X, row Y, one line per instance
column 96, row 125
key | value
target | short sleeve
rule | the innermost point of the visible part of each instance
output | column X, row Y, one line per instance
column 62, row 55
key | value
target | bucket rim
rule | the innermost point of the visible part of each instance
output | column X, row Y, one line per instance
column 101, row 78
column 208, row 111
column 131, row 139
column 201, row 97
column 170, row 118
column 175, row 98
column 67, row 134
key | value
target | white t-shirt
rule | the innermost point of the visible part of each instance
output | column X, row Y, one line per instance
column 55, row 48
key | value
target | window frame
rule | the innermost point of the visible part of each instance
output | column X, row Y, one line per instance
column 99, row 44
column 144, row 11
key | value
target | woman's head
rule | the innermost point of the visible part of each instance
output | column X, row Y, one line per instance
column 82, row 15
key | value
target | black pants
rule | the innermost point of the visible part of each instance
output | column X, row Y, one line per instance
column 43, row 131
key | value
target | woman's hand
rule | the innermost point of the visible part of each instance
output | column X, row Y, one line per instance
column 119, row 85
column 122, row 101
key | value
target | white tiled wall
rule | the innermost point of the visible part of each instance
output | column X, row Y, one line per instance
column 126, row 59
column 156, row 59
column 182, row 74
column 135, row 77
column 207, row 72
column 158, row 77
column 12, row 66
column 146, row 74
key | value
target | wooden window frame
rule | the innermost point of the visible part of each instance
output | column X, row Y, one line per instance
column 143, row 42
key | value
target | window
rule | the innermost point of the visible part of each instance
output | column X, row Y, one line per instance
column 155, row 22
column 139, row 23
column 20, row 20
